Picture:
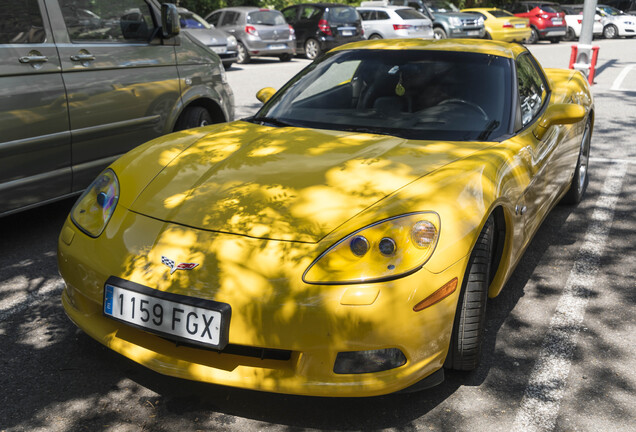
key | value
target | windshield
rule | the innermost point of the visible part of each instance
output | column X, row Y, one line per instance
column 608, row 10
column 414, row 94
column 266, row 17
column 442, row 6
column 192, row 21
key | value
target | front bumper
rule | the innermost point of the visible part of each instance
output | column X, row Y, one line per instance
column 467, row 32
column 272, row 309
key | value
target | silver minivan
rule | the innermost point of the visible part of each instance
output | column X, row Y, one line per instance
column 260, row 32
column 80, row 86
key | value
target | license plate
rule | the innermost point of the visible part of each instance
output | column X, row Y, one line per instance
column 181, row 318
column 473, row 33
column 277, row 46
column 346, row 32
column 219, row 50
column 418, row 28
column 557, row 21
column 520, row 26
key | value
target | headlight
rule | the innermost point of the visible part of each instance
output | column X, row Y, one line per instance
column 455, row 22
column 480, row 21
column 231, row 41
column 385, row 250
column 94, row 208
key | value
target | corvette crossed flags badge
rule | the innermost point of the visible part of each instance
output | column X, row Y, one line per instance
column 181, row 266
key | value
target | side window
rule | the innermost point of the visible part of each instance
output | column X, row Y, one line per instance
column 308, row 12
column 214, row 18
column 367, row 15
column 108, row 21
column 21, row 22
column 532, row 89
column 290, row 15
column 382, row 15
column 229, row 18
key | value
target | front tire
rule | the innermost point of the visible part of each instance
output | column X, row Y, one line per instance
column 439, row 33
column 312, row 49
column 610, row 32
column 193, row 117
column 464, row 352
column 581, row 177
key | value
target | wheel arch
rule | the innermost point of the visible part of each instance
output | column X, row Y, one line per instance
column 215, row 110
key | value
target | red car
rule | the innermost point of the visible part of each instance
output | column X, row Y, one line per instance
column 547, row 20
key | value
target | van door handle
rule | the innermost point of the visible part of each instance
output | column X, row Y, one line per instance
column 83, row 57
column 33, row 59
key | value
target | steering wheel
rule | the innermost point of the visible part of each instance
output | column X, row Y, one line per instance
column 472, row 105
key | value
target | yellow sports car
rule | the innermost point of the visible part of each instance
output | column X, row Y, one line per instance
column 501, row 25
column 344, row 240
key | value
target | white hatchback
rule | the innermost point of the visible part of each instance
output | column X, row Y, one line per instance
column 616, row 23
column 394, row 22
column 574, row 21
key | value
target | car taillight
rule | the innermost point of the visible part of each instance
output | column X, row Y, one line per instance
column 579, row 21
column 291, row 31
column 323, row 26
column 251, row 30
column 544, row 16
column 507, row 25
column 401, row 26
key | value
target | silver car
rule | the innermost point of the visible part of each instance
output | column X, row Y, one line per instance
column 394, row 22
column 260, row 32
column 221, row 43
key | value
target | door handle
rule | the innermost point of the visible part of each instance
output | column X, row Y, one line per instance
column 33, row 59
column 83, row 57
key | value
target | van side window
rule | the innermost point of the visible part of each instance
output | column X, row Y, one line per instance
column 107, row 21
column 21, row 22
column 214, row 18
column 532, row 89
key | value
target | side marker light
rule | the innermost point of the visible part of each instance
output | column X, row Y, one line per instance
column 437, row 296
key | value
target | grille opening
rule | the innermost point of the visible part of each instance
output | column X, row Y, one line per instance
column 245, row 351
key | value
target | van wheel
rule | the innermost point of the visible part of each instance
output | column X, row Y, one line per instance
column 285, row 57
column 439, row 33
column 193, row 117
column 312, row 49
column 243, row 56
column 470, row 319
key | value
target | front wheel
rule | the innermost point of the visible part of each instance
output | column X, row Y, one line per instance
column 470, row 319
column 439, row 33
column 193, row 117
column 610, row 32
column 312, row 49
column 581, row 177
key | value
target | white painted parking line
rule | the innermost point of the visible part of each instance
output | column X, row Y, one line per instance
column 547, row 384
column 606, row 160
column 618, row 82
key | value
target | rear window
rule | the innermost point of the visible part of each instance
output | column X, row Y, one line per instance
column 342, row 15
column 550, row 8
column 500, row 13
column 267, row 17
column 409, row 14
column 21, row 22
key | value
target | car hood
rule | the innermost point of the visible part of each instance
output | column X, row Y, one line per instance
column 208, row 36
column 288, row 183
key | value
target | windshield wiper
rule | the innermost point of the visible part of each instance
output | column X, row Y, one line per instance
column 490, row 128
column 271, row 120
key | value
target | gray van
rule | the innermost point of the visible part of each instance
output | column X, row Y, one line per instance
column 80, row 87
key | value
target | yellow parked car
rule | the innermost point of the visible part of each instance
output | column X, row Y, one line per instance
column 345, row 239
column 501, row 25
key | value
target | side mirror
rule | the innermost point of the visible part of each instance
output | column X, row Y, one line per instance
column 265, row 94
column 559, row 114
column 169, row 20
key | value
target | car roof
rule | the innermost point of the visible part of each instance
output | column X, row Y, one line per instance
column 384, row 7
column 323, row 5
column 501, row 49
column 246, row 9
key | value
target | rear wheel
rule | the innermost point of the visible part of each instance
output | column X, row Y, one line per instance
column 581, row 178
column 375, row 36
column 312, row 49
column 610, row 32
column 534, row 36
column 470, row 319
column 439, row 33
column 242, row 55
column 193, row 117
column 569, row 34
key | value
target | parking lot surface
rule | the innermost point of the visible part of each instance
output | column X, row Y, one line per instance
column 559, row 352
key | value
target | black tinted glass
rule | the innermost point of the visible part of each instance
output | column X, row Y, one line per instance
column 21, row 22
column 269, row 18
column 409, row 14
column 499, row 13
column 342, row 15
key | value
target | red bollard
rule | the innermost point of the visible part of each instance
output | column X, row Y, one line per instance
column 591, row 68
column 575, row 50
column 590, row 77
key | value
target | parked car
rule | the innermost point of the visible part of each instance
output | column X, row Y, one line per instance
column 616, row 23
column 320, row 27
column 388, row 22
column 448, row 22
column 627, row 6
column 344, row 240
column 502, row 25
column 574, row 21
column 547, row 20
column 69, row 106
column 221, row 43
column 260, row 32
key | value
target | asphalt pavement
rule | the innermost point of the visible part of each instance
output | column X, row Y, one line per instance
column 560, row 345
